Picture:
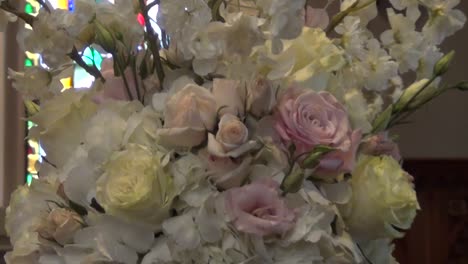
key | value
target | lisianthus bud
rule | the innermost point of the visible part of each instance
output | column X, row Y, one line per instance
column 443, row 64
column 292, row 183
column 409, row 93
column 462, row 86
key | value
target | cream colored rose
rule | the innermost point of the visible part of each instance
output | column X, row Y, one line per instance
column 383, row 200
column 136, row 186
column 261, row 97
column 189, row 113
column 232, row 138
column 61, row 225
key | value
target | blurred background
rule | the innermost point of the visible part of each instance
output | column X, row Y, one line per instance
column 434, row 145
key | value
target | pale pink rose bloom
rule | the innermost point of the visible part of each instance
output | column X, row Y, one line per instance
column 232, row 138
column 316, row 17
column 306, row 119
column 381, row 144
column 259, row 209
column 114, row 87
column 188, row 115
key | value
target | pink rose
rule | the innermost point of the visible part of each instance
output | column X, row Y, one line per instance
column 258, row 209
column 381, row 144
column 306, row 119
column 188, row 114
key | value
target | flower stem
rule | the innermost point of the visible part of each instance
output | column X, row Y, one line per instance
column 338, row 18
column 93, row 70
column 152, row 39
column 27, row 18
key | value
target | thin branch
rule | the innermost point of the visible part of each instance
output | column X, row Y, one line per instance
column 135, row 80
column 153, row 41
column 44, row 5
column 337, row 19
column 93, row 70
column 122, row 72
column 27, row 18
column 364, row 255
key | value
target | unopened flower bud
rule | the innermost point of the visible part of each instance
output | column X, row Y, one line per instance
column 409, row 93
column 292, row 183
column 443, row 64
column 462, row 86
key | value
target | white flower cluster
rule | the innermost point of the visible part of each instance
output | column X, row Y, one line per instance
column 248, row 131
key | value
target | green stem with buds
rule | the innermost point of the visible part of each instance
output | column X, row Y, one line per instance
column 152, row 39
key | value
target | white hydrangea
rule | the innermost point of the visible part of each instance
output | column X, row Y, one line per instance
column 444, row 20
column 377, row 67
column 411, row 7
column 182, row 19
column 403, row 41
column 50, row 37
column 284, row 19
column 353, row 36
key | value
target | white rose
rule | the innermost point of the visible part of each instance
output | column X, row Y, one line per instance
column 232, row 138
column 135, row 186
column 61, row 225
column 188, row 114
column 383, row 199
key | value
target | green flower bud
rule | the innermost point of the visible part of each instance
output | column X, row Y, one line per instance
column 292, row 183
column 443, row 64
column 462, row 86
column 409, row 93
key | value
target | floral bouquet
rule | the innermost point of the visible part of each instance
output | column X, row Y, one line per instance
column 244, row 131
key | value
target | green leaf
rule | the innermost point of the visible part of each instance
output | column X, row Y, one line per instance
column 382, row 120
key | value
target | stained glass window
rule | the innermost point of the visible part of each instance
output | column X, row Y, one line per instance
column 80, row 78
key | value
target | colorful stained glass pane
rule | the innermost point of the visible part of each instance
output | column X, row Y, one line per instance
column 29, row 9
column 92, row 57
column 29, row 179
column 28, row 62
